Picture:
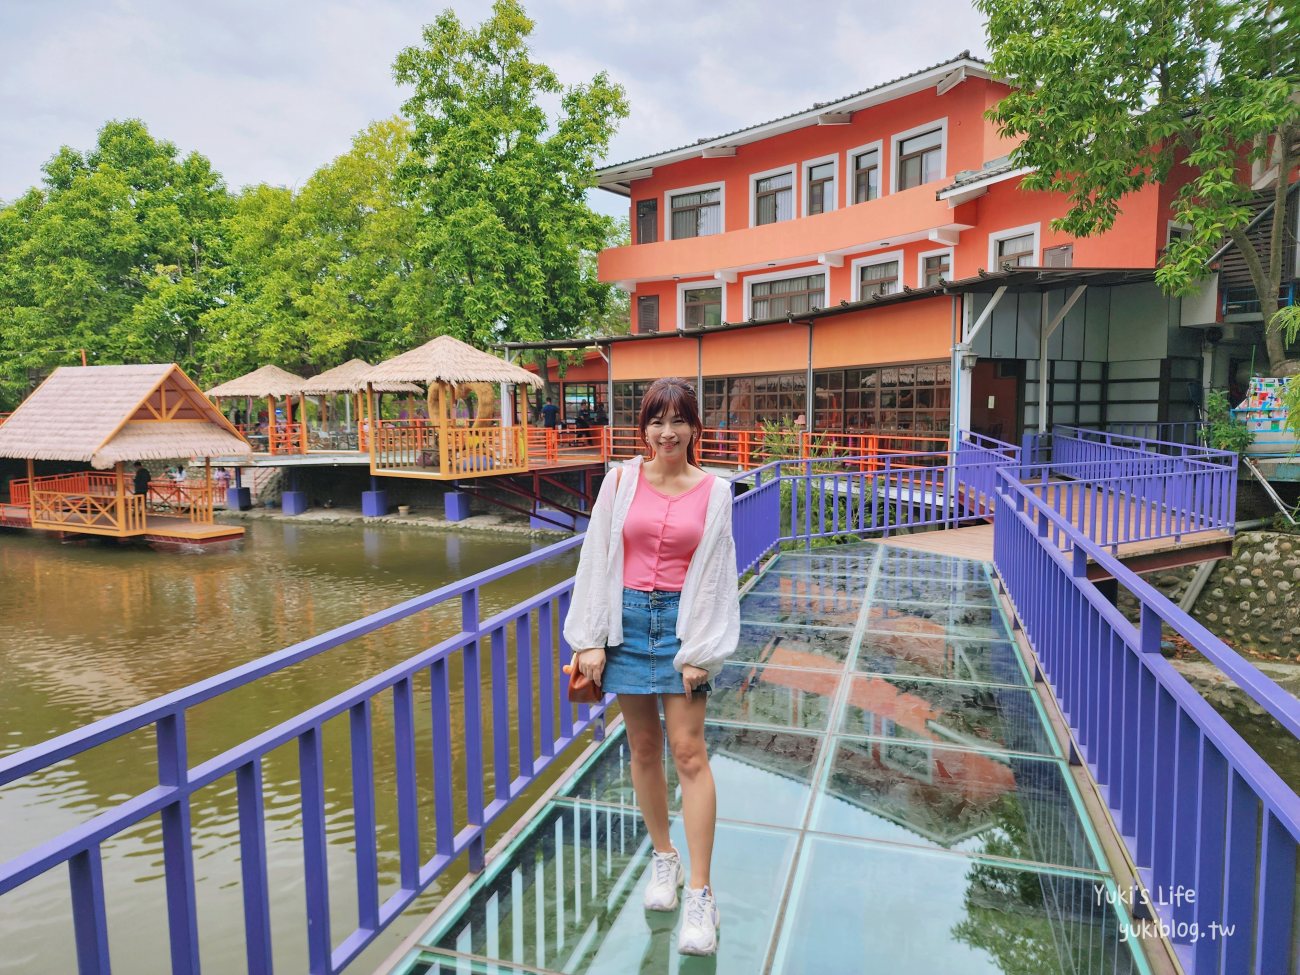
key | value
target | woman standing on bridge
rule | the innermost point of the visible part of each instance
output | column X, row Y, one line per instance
column 655, row 612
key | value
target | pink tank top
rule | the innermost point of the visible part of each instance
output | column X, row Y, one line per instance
column 661, row 534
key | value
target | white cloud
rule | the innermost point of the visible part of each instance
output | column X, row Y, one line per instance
column 269, row 92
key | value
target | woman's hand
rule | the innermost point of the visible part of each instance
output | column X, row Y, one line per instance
column 693, row 677
column 591, row 663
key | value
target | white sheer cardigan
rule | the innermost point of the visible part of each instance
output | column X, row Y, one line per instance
column 708, row 617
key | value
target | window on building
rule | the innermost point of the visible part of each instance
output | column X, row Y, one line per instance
column 576, row 397
column 866, row 176
column 878, row 279
column 936, row 269
column 1061, row 256
column 627, row 402
column 702, row 307
column 647, row 313
column 647, row 221
column 773, row 198
column 747, row 402
column 821, row 188
column 771, row 299
column 1017, row 251
column 696, row 214
column 913, row 398
column 919, row 159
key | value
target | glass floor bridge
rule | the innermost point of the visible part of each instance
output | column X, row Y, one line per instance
column 891, row 798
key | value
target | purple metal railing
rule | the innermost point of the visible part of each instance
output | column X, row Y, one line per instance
column 1200, row 811
column 1189, row 432
column 1076, row 443
column 482, row 648
column 1135, row 499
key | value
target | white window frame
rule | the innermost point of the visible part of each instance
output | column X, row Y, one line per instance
column 801, row 272
column 795, row 200
column 720, row 186
column 856, row 266
column 898, row 138
column 1171, row 226
column 808, row 164
column 920, row 263
column 685, row 286
column 1000, row 235
column 850, row 174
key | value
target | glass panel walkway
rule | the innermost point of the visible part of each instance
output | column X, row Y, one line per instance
column 890, row 799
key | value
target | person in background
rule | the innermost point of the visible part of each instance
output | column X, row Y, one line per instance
column 179, row 475
column 550, row 415
column 140, row 485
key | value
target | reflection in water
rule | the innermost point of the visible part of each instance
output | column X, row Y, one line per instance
column 89, row 629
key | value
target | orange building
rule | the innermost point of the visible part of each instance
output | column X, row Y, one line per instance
column 873, row 264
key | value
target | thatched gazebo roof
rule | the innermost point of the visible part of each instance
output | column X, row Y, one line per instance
column 106, row 414
column 351, row 378
column 449, row 360
column 259, row 384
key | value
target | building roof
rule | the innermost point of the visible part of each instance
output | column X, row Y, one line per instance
column 351, row 378
column 617, row 178
column 967, row 182
column 106, row 414
column 449, row 360
column 267, row 381
column 1020, row 279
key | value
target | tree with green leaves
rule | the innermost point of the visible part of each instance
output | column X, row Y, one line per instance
column 326, row 274
column 1109, row 97
column 115, row 254
column 500, row 186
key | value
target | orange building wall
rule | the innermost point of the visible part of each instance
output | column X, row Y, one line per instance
column 908, row 332
column 962, row 106
column 775, row 348
column 654, row 358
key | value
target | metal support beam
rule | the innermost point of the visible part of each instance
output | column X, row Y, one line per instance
column 985, row 315
column 1046, row 330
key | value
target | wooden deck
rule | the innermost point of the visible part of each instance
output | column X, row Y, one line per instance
column 160, row 529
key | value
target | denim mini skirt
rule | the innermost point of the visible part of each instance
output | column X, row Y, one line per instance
column 643, row 662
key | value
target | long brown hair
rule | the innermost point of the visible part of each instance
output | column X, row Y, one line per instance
column 666, row 397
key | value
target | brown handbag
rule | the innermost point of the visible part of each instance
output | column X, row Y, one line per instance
column 582, row 689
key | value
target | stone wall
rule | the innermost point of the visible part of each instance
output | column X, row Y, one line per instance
column 1253, row 599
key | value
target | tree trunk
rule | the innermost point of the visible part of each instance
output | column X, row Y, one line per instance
column 1274, row 340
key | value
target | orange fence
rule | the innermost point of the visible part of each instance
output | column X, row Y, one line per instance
column 79, row 482
column 93, row 493
column 743, row 449
column 418, row 446
column 96, row 513
column 193, row 498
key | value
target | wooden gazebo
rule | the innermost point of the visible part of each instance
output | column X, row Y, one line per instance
column 108, row 417
column 349, row 381
column 272, row 384
column 493, row 440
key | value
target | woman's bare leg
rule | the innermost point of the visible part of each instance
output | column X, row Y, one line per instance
column 685, row 719
column 645, row 740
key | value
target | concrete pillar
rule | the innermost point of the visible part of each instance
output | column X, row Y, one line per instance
column 374, row 503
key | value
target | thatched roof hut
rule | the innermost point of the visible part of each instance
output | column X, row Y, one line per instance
column 351, row 378
column 259, row 384
column 105, row 415
column 449, row 360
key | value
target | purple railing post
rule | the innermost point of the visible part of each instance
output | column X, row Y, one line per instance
column 363, row 804
column 524, row 689
column 311, row 773
column 252, row 866
column 89, row 914
column 444, row 809
column 408, row 815
column 178, row 850
column 473, row 705
column 500, row 716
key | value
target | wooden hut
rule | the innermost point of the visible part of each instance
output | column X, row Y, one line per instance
column 349, row 381
column 494, row 440
column 109, row 417
column 280, row 435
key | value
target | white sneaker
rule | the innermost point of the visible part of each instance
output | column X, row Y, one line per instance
column 666, row 875
column 699, row 935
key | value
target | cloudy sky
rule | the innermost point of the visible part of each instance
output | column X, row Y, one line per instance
column 271, row 89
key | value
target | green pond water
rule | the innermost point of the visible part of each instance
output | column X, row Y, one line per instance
column 88, row 629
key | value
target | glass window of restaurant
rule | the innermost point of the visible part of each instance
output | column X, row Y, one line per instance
column 919, row 159
column 866, row 176
column 821, row 188
column 878, row 279
column 771, row 299
column 627, row 401
column 913, row 397
column 1017, row 251
column 578, row 395
column 936, row 269
column 774, row 198
column 696, row 214
column 702, row 307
